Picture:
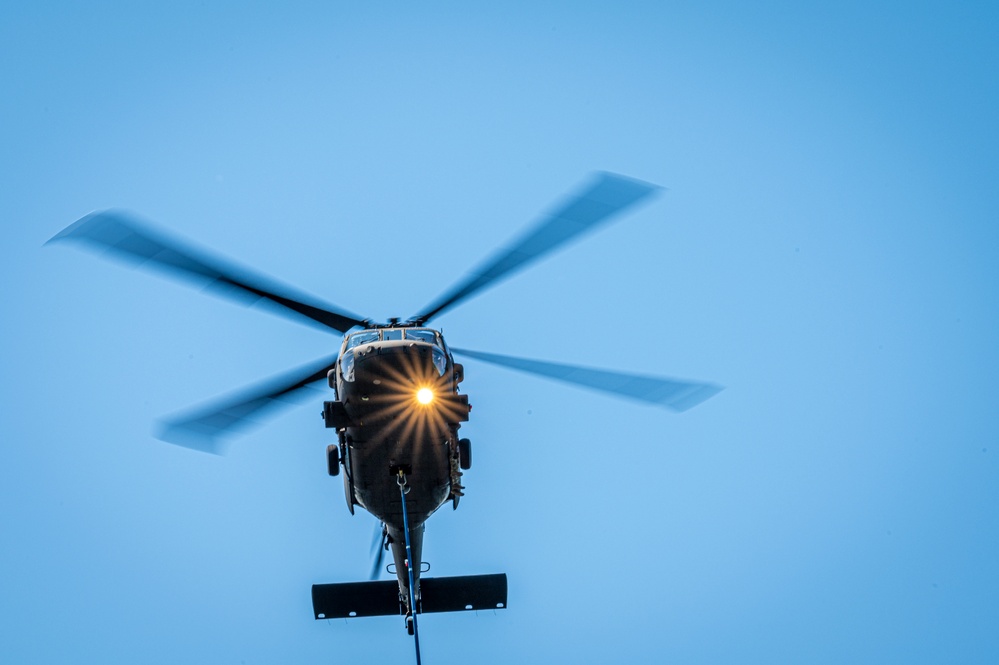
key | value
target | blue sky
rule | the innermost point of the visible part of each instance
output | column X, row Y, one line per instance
column 826, row 249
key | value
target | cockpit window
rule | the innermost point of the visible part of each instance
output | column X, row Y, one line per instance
column 440, row 360
column 426, row 335
column 422, row 335
column 364, row 337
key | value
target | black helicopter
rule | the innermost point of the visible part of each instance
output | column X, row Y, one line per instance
column 397, row 406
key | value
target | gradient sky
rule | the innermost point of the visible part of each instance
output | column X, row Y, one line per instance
column 826, row 249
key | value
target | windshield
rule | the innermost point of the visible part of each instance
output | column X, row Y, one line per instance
column 364, row 337
column 427, row 335
column 422, row 335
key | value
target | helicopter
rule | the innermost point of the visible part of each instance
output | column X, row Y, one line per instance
column 397, row 404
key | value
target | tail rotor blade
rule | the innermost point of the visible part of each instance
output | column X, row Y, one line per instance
column 380, row 543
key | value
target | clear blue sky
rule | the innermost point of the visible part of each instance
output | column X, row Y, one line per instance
column 826, row 249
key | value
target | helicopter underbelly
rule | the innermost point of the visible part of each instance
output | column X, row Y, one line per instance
column 391, row 430
column 427, row 466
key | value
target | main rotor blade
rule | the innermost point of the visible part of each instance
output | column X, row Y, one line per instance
column 669, row 393
column 608, row 195
column 200, row 429
column 123, row 237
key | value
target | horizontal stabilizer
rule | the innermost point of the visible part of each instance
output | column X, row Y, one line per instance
column 439, row 594
column 356, row 599
column 470, row 592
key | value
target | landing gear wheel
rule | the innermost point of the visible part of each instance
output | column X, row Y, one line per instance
column 465, row 454
column 333, row 459
column 409, row 624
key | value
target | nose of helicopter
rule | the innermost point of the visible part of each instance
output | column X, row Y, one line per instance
column 398, row 362
column 393, row 379
column 396, row 373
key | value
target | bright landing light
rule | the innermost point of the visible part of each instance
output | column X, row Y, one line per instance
column 424, row 395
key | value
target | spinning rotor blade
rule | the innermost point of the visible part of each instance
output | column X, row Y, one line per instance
column 199, row 429
column 669, row 393
column 121, row 236
column 607, row 196
column 380, row 544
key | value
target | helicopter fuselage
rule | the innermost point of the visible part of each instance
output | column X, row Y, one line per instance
column 398, row 410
